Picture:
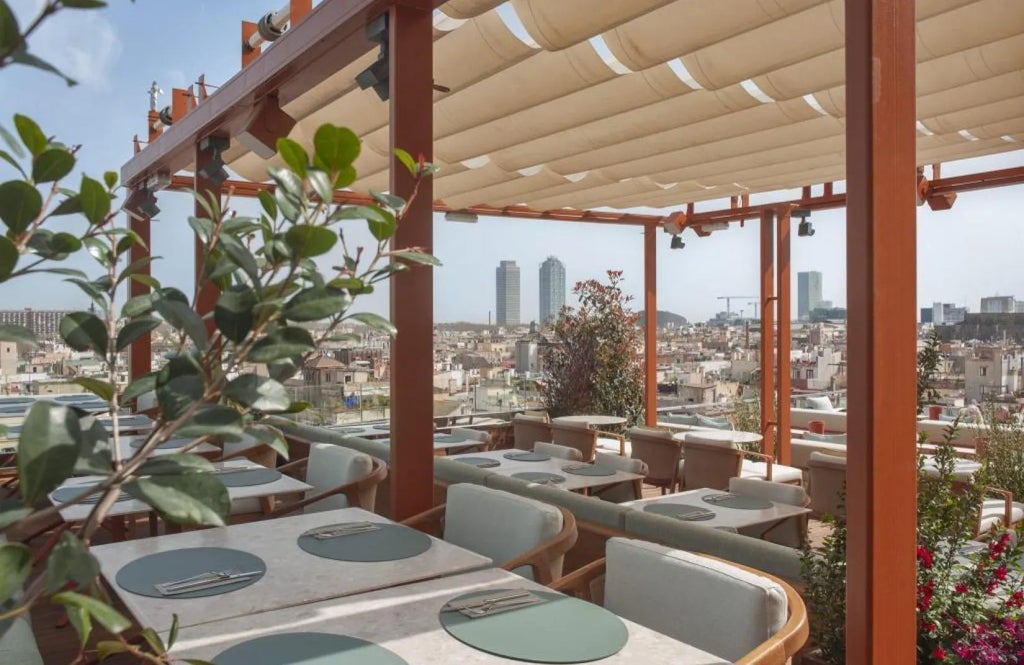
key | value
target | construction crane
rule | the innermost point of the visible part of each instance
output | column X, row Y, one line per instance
column 728, row 303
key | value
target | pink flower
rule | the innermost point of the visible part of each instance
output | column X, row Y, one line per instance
column 960, row 587
column 925, row 557
column 1000, row 573
column 939, row 654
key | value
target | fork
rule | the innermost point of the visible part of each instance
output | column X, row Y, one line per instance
column 501, row 606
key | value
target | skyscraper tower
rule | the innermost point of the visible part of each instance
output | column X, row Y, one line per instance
column 552, row 289
column 507, row 282
column 808, row 288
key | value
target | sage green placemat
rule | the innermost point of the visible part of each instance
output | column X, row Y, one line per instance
column 382, row 427
column 248, row 477
column 527, row 456
column 307, row 649
column 179, row 442
column 738, row 501
column 390, row 542
column 448, row 438
column 539, row 477
column 349, row 430
column 480, row 462
column 588, row 470
column 680, row 511
column 562, row 630
column 62, row 494
column 140, row 576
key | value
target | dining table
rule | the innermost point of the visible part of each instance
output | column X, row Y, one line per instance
column 403, row 624
column 733, row 436
column 543, row 469
column 363, row 430
column 293, row 571
column 713, row 508
column 445, row 442
column 593, row 421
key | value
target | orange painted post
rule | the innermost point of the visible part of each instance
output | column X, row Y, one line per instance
column 412, row 293
column 881, row 293
column 249, row 54
column 650, row 325
column 205, row 299
column 767, row 331
column 784, row 432
column 298, row 10
column 181, row 103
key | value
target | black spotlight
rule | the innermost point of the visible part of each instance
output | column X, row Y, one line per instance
column 677, row 243
column 214, row 170
column 148, row 206
column 376, row 75
column 804, row 230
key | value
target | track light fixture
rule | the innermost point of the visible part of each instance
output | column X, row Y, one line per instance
column 805, row 229
column 147, row 206
column 376, row 75
column 214, row 170
column 456, row 216
column 677, row 242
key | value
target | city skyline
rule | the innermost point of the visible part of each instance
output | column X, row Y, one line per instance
column 507, row 290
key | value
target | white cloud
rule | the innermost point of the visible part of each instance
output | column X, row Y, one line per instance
column 81, row 43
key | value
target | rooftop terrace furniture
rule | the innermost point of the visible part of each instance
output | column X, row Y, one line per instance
column 714, row 423
column 825, row 438
column 711, row 462
column 738, row 614
column 341, row 478
column 555, row 450
column 576, row 435
column 822, row 403
column 800, row 419
column 827, row 484
column 660, row 452
column 621, row 492
column 483, row 439
column 790, row 532
column 800, row 450
column 523, row 535
column 528, row 430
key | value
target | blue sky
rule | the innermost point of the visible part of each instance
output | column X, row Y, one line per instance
column 964, row 254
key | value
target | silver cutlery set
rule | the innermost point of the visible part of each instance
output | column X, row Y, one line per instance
column 339, row 530
column 208, row 580
column 503, row 602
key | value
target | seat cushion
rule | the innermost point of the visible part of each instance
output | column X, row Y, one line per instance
column 330, row 466
column 704, row 602
column 610, row 445
column 819, row 403
column 680, row 419
column 824, row 438
column 555, row 450
column 780, row 473
column 992, row 514
column 793, row 495
column 497, row 524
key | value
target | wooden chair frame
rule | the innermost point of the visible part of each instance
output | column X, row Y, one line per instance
column 539, row 558
column 613, row 435
column 355, row 491
column 776, row 650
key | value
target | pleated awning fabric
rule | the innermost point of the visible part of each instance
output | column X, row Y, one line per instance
column 593, row 104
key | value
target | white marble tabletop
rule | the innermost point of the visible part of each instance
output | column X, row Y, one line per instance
column 127, row 449
column 293, row 577
column 592, row 420
column 724, row 516
column 405, row 620
column 363, row 430
column 573, row 481
column 441, row 444
column 283, row 485
column 735, row 436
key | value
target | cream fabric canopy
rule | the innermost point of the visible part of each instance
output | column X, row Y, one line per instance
column 589, row 103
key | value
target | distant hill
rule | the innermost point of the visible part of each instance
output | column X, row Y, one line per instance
column 665, row 318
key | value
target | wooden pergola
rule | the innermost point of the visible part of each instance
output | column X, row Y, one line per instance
column 884, row 188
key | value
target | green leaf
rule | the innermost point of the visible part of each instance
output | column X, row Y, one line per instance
column 375, row 321
column 178, row 393
column 52, row 164
column 84, row 4
column 17, row 334
column 336, row 148
column 101, row 388
column 322, row 185
column 284, row 369
column 290, row 209
column 346, row 177
column 15, row 566
column 23, row 57
column 94, row 456
column 31, row 135
column 294, row 155
column 8, row 257
column 406, row 159
column 110, row 179
column 5, row 134
column 9, row 517
column 389, row 200
column 9, row 158
column 175, row 464
column 241, row 257
column 20, row 204
column 203, row 228
column 316, row 303
column 287, row 182
column 417, row 257
column 214, row 420
column 259, row 393
column 190, row 498
column 82, row 623
column 182, row 317
column 69, row 206
column 268, row 203
column 106, row 615
column 139, row 305
column 139, row 386
column 107, row 648
column 233, row 313
column 95, row 200
column 70, row 561
column 271, row 436
column 135, row 329
column 172, row 635
column 306, row 240
column 84, row 331
column 154, row 641
column 280, row 344
column 47, row 449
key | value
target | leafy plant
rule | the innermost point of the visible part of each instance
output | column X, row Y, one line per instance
column 269, row 290
column 593, row 364
column 929, row 359
column 1002, row 455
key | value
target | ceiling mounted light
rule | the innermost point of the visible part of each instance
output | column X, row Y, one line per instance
column 377, row 74
column 214, row 170
column 147, row 206
column 804, row 230
column 677, row 242
column 457, row 216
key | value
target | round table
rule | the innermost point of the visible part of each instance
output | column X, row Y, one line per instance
column 734, row 436
column 592, row 420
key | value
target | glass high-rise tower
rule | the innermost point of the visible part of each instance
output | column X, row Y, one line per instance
column 552, row 289
column 507, row 282
column 808, row 290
